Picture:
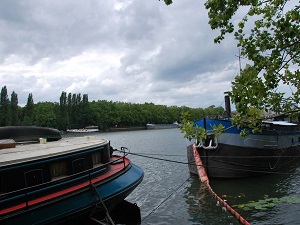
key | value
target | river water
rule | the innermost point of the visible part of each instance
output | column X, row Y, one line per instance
column 170, row 195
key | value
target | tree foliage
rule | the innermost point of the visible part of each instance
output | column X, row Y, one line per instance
column 15, row 114
column 168, row 2
column 63, row 112
column 28, row 112
column 269, row 37
column 45, row 114
column 76, row 111
column 273, row 47
column 4, row 108
column 194, row 132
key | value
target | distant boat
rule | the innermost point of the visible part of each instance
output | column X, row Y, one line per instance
column 46, row 182
column 231, row 156
column 87, row 129
column 162, row 126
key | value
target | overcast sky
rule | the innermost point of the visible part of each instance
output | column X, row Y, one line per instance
column 120, row 50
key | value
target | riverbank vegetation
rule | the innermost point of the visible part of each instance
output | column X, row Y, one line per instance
column 76, row 111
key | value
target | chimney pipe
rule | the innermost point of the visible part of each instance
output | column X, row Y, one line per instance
column 227, row 105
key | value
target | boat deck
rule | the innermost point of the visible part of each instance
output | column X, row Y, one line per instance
column 106, row 189
column 33, row 151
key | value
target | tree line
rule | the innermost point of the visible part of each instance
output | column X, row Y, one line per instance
column 76, row 111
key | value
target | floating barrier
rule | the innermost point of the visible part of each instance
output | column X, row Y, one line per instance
column 204, row 179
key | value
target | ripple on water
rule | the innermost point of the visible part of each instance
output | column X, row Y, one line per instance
column 165, row 196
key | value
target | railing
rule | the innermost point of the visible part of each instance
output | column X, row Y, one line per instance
column 255, row 142
column 123, row 150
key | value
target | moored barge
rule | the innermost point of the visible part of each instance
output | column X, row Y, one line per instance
column 45, row 182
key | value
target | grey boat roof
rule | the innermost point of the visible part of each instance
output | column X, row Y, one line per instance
column 283, row 123
column 35, row 151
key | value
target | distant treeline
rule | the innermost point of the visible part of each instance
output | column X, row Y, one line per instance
column 75, row 111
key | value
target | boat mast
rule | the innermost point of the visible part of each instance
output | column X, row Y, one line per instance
column 227, row 98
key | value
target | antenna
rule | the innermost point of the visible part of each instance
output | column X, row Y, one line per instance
column 239, row 56
column 240, row 61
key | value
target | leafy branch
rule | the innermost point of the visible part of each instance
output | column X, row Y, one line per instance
column 269, row 36
column 194, row 132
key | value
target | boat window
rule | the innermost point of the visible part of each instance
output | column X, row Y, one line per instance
column 3, row 184
column 58, row 170
column 96, row 159
column 33, row 177
column 78, row 165
column 11, row 180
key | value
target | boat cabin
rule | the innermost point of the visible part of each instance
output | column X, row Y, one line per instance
column 61, row 162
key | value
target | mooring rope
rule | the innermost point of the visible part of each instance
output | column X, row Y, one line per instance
column 96, row 193
column 152, row 211
column 204, row 179
column 149, row 156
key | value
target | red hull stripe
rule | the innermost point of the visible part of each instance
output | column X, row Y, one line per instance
column 115, row 168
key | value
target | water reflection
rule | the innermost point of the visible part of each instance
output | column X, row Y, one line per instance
column 275, row 197
column 203, row 208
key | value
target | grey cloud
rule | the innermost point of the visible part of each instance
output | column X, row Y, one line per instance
column 162, row 49
column 55, row 29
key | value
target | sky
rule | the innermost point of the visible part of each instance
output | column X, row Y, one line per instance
column 118, row 50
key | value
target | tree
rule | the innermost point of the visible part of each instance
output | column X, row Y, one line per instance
column 63, row 112
column 4, row 108
column 29, row 111
column 272, row 46
column 168, row 2
column 84, row 116
column 45, row 114
column 14, row 109
column 73, row 114
column 70, row 113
